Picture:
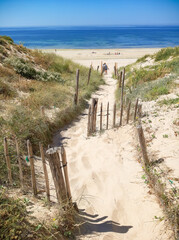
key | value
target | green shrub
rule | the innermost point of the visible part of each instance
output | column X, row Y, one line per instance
column 165, row 53
column 143, row 59
column 27, row 70
column 156, row 91
column 7, row 38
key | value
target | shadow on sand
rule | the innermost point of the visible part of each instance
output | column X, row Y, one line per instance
column 91, row 224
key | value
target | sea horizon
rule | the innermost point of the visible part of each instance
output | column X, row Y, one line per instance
column 94, row 37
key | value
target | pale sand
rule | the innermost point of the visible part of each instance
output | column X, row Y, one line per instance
column 95, row 56
column 105, row 176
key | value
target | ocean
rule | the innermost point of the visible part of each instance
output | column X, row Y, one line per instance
column 94, row 37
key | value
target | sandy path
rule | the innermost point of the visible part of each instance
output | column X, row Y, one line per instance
column 106, row 181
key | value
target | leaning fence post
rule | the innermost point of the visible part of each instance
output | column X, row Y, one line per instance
column 89, row 75
column 114, row 115
column 139, row 110
column 120, row 79
column 89, row 119
column 115, row 69
column 128, row 112
column 42, row 110
column 122, row 93
column 47, row 188
column 55, row 166
column 20, row 164
column 77, row 86
column 107, row 121
column 65, row 169
column 101, row 117
column 142, row 144
column 95, row 114
column 8, row 163
column 32, row 168
column 135, row 111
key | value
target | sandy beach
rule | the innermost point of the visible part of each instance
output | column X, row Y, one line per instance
column 105, row 176
column 94, row 56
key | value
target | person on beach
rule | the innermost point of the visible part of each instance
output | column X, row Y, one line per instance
column 105, row 68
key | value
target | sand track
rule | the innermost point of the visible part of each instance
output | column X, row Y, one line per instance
column 106, row 181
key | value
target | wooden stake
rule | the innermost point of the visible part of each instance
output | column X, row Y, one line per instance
column 8, row 163
column 128, row 112
column 101, row 117
column 139, row 111
column 32, row 168
column 107, row 122
column 95, row 114
column 55, row 166
column 42, row 110
column 135, row 111
column 142, row 144
column 122, row 93
column 47, row 187
column 114, row 115
column 20, row 165
column 77, row 86
column 120, row 79
column 115, row 69
column 89, row 75
column 89, row 118
column 65, row 169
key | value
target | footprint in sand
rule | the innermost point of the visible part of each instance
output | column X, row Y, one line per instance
column 96, row 180
column 85, row 162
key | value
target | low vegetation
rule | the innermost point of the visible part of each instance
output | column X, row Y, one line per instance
column 28, row 80
column 147, row 79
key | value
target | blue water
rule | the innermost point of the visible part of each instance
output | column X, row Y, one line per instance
column 94, row 37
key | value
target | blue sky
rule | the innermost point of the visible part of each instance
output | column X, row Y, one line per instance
column 21, row 13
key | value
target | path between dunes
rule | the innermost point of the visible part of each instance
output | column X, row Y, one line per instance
column 106, row 181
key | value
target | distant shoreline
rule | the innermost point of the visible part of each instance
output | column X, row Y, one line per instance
column 87, row 57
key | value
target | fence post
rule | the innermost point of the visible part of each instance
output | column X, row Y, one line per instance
column 135, row 111
column 47, row 188
column 139, row 111
column 42, row 110
column 32, row 168
column 115, row 69
column 97, row 68
column 55, row 166
column 120, row 79
column 122, row 93
column 89, row 123
column 77, row 86
column 8, row 163
column 107, row 122
column 65, row 169
column 114, row 115
column 128, row 112
column 101, row 117
column 89, row 75
column 95, row 113
column 142, row 144
column 20, row 164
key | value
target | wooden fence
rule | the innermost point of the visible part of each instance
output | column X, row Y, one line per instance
column 57, row 159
